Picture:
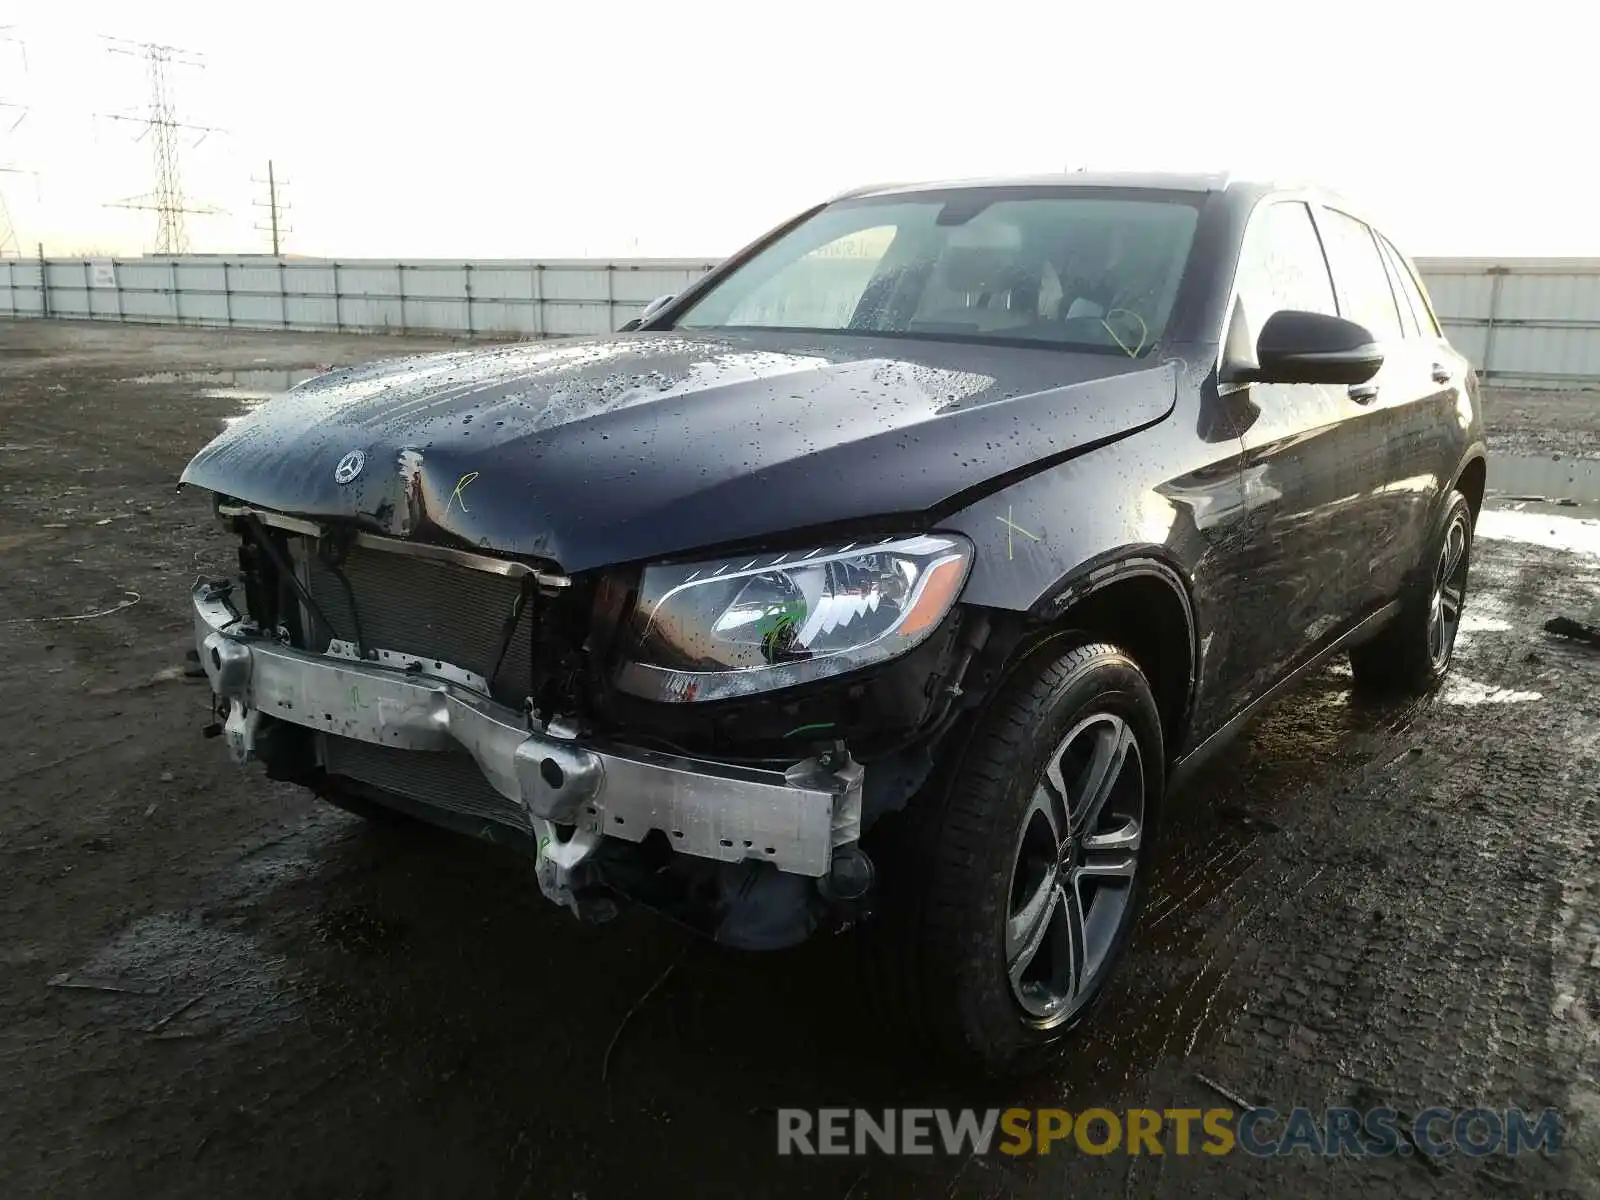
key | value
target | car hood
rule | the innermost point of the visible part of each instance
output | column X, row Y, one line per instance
column 593, row 452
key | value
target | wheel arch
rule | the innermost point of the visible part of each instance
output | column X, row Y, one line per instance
column 1472, row 479
column 1139, row 601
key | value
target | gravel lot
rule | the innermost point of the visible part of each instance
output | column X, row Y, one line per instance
column 1357, row 905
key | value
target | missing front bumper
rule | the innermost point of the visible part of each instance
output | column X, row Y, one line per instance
column 575, row 792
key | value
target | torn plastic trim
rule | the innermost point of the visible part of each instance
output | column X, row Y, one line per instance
column 510, row 568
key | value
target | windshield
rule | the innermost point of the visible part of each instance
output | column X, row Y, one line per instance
column 1063, row 268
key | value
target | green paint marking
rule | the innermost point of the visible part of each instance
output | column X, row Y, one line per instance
column 461, row 486
column 804, row 728
column 1010, row 527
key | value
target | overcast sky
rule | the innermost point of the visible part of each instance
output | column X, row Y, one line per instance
column 687, row 127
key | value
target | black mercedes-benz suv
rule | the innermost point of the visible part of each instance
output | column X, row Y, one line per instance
column 895, row 573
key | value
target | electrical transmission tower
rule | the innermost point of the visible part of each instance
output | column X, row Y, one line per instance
column 276, row 209
column 162, row 127
column 10, row 239
column 9, row 246
column 8, row 231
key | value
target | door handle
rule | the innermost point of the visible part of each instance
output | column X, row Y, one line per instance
column 1363, row 393
column 1441, row 373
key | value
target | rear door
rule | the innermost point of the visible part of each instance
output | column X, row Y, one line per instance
column 1445, row 411
column 1400, row 407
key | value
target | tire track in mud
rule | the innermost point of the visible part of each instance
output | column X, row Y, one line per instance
column 1426, row 966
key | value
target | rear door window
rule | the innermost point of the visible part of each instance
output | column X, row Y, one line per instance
column 1408, row 314
column 1359, row 274
column 1407, row 283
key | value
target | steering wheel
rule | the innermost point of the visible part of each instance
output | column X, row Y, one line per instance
column 1144, row 330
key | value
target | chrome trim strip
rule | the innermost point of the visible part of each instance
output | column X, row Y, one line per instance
column 510, row 568
column 267, row 517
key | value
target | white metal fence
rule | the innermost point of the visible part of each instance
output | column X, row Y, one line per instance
column 1531, row 322
column 1522, row 321
column 550, row 298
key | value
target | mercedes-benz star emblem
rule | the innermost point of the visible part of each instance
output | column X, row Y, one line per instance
column 349, row 466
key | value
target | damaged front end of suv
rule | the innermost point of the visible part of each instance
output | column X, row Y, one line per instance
column 897, row 569
column 706, row 735
column 872, row 579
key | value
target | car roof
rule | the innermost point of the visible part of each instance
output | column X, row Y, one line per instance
column 1237, row 189
column 1177, row 181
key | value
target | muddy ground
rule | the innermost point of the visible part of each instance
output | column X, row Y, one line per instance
column 1564, row 424
column 1358, row 905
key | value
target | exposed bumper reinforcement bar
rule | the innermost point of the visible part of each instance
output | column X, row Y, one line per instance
column 792, row 819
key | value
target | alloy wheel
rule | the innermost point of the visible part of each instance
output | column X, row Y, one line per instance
column 1449, row 592
column 1072, row 879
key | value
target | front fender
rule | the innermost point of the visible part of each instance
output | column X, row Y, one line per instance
column 1038, row 540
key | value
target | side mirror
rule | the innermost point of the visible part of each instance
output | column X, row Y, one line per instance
column 1308, row 347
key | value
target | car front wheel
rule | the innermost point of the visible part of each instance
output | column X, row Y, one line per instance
column 1016, row 886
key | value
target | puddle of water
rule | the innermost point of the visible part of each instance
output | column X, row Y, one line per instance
column 1544, row 477
column 263, row 382
column 1576, row 535
column 248, row 401
column 1458, row 689
column 250, row 388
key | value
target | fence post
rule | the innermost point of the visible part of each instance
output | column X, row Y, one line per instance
column 116, row 286
column 338, row 307
column 227, row 295
column 400, row 274
column 177, row 296
column 468, row 278
column 1497, row 276
column 540, row 317
column 88, row 291
column 44, row 284
column 283, row 295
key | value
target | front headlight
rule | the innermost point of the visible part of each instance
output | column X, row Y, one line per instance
column 710, row 630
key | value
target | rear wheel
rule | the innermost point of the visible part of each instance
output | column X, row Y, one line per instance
column 1413, row 653
column 1013, row 893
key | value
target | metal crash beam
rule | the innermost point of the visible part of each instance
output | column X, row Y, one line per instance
column 792, row 819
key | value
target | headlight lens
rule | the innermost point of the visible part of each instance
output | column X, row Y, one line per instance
column 710, row 630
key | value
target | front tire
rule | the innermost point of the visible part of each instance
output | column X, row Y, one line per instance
column 1412, row 655
column 1016, row 887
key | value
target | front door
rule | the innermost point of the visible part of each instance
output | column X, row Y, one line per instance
column 1310, row 459
column 1399, row 418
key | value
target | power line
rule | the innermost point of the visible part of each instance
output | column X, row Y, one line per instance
column 161, row 125
column 7, row 34
column 276, row 208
